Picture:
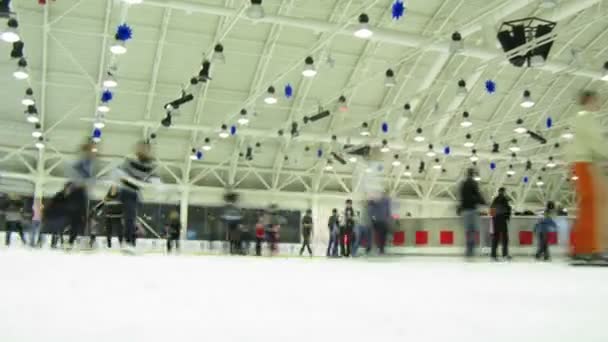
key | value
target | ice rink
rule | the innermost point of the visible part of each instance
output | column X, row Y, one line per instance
column 52, row 296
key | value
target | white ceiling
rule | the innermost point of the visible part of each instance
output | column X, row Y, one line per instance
column 67, row 48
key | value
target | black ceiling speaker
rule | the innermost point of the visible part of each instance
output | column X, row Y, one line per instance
column 537, row 137
column 516, row 33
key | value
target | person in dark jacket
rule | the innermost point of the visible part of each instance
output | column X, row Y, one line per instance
column 334, row 226
column 173, row 229
column 500, row 221
column 54, row 216
column 113, row 215
column 306, row 232
column 470, row 199
column 233, row 217
column 14, row 218
column 260, row 234
column 542, row 229
column 379, row 210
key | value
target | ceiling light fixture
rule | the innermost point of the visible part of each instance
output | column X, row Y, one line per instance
column 110, row 81
column 465, row 120
column 365, row 130
column 255, row 11
column 520, row 129
column 468, row 143
column 548, row 4
column 511, row 172
column 551, row 164
column 40, row 143
column 37, row 133
column 384, row 148
column 514, row 148
column 99, row 122
column 540, row 181
column 21, row 72
column 28, row 99
column 437, row 165
column 574, row 178
column 389, row 81
column 11, row 35
column 407, row 172
column 457, row 44
column 352, row 159
column 309, row 67
column 605, row 72
column 364, row 31
column 474, row 158
column 224, row 132
column 270, row 97
column 568, row 135
column 207, row 145
column 396, row 162
column 431, row 153
column 243, row 119
column 527, row 101
column 218, row 54
column 419, row 137
column 342, row 105
column 462, row 88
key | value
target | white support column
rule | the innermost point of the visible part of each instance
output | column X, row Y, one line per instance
column 183, row 212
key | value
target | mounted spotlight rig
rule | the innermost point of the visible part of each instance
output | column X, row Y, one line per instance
column 320, row 115
column 516, row 33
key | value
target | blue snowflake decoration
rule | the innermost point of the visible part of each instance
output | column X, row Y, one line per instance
column 319, row 153
column 492, row 166
column 526, row 179
column 490, row 87
column 106, row 96
column 288, row 91
column 232, row 130
column 398, row 9
column 549, row 122
column 447, row 150
column 199, row 155
column 384, row 127
column 97, row 133
column 124, row 33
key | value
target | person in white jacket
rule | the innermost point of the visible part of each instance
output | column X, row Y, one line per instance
column 587, row 148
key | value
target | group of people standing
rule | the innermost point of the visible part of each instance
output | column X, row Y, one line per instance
column 500, row 211
column 69, row 207
column 347, row 232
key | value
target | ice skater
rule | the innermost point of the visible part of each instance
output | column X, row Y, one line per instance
column 346, row 238
column 14, row 218
column 584, row 152
column 500, row 220
column 542, row 229
column 112, row 208
column 35, row 237
column 470, row 199
column 259, row 234
column 272, row 227
column 379, row 210
column 362, row 232
column 77, row 192
column 173, row 228
column 233, row 217
column 306, row 232
column 334, row 227
column 134, row 173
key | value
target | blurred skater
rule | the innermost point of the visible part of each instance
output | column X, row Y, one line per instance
column 272, row 226
column 379, row 210
column 112, row 208
column 77, row 192
column 362, row 232
column 259, row 235
column 55, row 218
column 470, row 199
column 585, row 151
column 233, row 218
column 306, row 232
column 35, row 240
column 500, row 221
column 542, row 229
column 14, row 218
column 173, row 229
column 134, row 173
column 334, row 231
column 346, row 236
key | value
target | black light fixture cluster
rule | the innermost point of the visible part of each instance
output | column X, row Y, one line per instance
column 516, row 33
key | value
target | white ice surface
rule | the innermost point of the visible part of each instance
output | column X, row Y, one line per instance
column 51, row 296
